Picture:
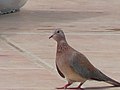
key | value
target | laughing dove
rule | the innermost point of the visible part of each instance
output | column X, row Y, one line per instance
column 74, row 66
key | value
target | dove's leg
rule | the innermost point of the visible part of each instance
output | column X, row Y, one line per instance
column 65, row 87
column 79, row 87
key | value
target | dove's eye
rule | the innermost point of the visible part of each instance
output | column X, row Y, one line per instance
column 58, row 31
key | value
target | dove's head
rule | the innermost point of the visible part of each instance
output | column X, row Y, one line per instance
column 58, row 35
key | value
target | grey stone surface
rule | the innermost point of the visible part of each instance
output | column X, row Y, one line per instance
column 10, row 6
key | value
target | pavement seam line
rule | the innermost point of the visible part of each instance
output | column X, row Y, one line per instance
column 33, row 58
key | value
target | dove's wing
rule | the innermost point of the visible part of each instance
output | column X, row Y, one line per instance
column 80, row 64
column 60, row 73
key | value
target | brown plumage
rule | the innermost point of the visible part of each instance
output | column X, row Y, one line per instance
column 74, row 66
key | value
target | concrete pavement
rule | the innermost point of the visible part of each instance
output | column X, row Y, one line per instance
column 27, row 56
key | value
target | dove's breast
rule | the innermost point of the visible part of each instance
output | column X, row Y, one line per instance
column 62, row 61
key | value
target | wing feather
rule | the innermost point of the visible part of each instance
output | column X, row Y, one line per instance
column 60, row 73
column 81, row 65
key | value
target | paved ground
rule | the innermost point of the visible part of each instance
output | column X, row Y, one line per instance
column 27, row 55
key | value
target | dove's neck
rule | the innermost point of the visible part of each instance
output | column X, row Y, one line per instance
column 62, row 46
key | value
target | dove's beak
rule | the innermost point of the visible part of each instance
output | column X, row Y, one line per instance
column 51, row 36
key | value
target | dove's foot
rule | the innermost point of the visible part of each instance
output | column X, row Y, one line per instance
column 78, row 88
column 60, row 88
column 65, row 87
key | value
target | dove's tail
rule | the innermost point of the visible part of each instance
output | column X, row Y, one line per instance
column 113, row 82
column 110, row 81
column 102, row 77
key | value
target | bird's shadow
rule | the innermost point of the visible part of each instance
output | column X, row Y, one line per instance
column 94, row 88
column 98, row 88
